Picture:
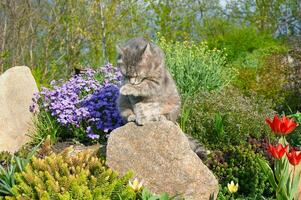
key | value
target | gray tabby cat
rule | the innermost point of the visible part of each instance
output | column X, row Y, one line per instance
column 148, row 92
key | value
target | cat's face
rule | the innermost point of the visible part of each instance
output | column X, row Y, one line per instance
column 134, row 60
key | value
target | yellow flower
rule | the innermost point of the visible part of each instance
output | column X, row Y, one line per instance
column 232, row 187
column 136, row 185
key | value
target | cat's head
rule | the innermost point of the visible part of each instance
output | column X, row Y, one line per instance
column 138, row 59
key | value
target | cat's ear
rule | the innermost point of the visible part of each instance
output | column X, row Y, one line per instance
column 147, row 50
column 120, row 50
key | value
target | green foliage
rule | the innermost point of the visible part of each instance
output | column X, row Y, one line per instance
column 282, row 179
column 242, row 43
column 220, row 118
column 5, row 157
column 7, row 175
column 147, row 195
column 65, row 176
column 240, row 164
column 45, row 125
column 7, row 179
column 294, row 138
column 268, row 80
column 195, row 67
column 43, row 78
column 59, row 38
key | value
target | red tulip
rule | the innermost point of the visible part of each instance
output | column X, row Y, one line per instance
column 277, row 151
column 283, row 126
column 294, row 157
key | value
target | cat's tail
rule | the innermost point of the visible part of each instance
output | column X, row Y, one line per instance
column 197, row 147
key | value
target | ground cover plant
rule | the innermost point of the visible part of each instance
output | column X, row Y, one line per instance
column 63, row 177
column 11, row 167
column 239, row 164
column 227, row 117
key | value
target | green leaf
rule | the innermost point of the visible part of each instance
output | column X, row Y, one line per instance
column 295, row 183
column 146, row 194
column 155, row 197
column 164, row 196
column 282, row 185
column 267, row 170
column 282, row 141
column 5, row 188
column 281, row 195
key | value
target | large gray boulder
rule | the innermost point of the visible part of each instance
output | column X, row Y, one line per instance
column 17, row 87
column 159, row 154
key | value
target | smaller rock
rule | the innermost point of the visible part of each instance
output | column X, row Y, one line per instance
column 160, row 155
column 77, row 148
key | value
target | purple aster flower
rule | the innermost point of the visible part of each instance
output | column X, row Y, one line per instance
column 83, row 101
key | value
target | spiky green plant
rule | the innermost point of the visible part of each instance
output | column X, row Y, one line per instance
column 7, row 174
column 64, row 176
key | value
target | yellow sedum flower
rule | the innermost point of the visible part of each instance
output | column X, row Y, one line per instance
column 232, row 187
column 136, row 186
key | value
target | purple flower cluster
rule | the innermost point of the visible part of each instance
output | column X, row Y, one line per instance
column 112, row 75
column 84, row 101
column 103, row 113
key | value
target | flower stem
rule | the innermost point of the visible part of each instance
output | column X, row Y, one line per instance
column 293, row 178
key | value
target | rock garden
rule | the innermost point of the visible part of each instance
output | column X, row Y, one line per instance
column 63, row 135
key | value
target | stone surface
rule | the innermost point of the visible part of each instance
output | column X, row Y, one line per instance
column 159, row 154
column 77, row 148
column 17, row 86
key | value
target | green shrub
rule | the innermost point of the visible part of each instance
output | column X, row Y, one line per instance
column 62, row 176
column 195, row 67
column 268, row 80
column 238, row 164
column 239, row 41
column 220, row 118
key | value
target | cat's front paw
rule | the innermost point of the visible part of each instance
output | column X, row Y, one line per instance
column 159, row 118
column 141, row 120
column 128, row 90
column 131, row 118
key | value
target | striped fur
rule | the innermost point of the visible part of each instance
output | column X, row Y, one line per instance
column 148, row 92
